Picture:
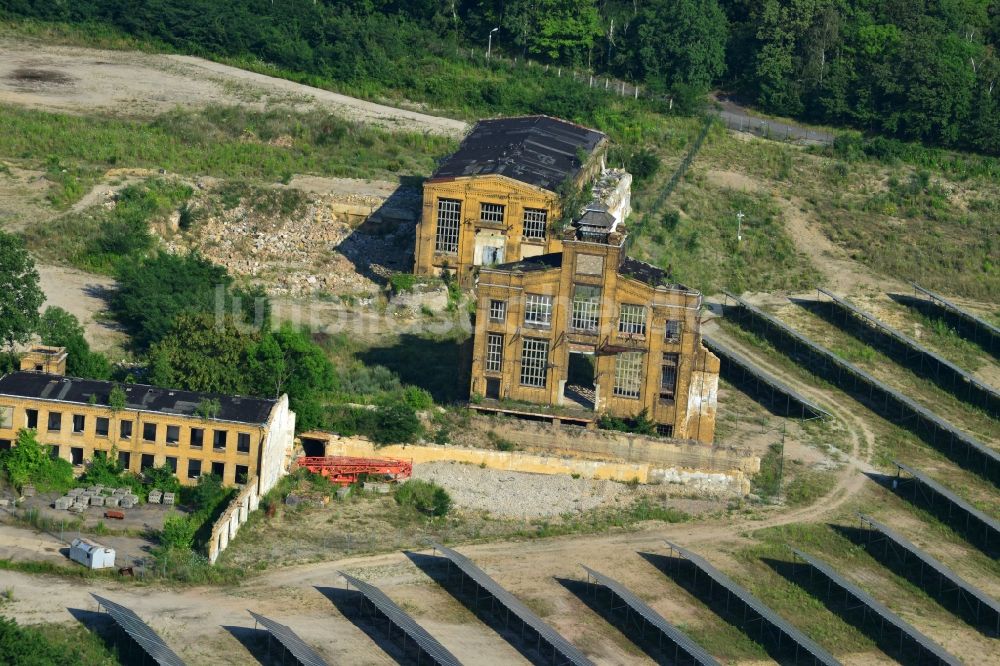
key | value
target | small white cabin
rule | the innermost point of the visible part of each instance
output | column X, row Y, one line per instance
column 91, row 554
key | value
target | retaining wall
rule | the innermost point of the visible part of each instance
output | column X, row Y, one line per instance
column 714, row 481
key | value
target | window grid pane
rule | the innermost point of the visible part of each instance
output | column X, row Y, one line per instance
column 534, row 362
column 668, row 377
column 628, row 374
column 673, row 330
column 632, row 319
column 494, row 352
column 448, row 219
column 535, row 221
column 586, row 304
column 538, row 310
column 498, row 310
column 492, row 213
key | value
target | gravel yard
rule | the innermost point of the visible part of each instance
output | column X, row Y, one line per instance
column 523, row 495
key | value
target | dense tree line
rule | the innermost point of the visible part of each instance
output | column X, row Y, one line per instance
column 915, row 69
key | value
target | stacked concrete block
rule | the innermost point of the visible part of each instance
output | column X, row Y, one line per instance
column 28, row 491
column 168, row 498
column 76, row 507
column 154, row 496
column 126, row 502
column 112, row 501
column 118, row 492
column 97, row 500
column 74, row 492
column 343, row 492
column 63, row 503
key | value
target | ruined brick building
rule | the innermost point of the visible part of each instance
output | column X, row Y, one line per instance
column 567, row 325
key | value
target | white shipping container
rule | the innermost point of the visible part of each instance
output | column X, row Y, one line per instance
column 91, row 554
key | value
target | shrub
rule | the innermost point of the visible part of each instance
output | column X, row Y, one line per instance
column 28, row 463
column 424, row 496
column 178, row 532
column 400, row 282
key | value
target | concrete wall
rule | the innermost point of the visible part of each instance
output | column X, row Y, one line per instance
column 609, row 445
column 235, row 515
column 277, row 445
column 731, row 481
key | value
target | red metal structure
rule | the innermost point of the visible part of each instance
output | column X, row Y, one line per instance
column 345, row 470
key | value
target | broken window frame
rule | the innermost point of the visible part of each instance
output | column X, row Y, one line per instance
column 673, row 330
column 534, row 362
column 494, row 352
column 668, row 376
column 449, row 219
column 536, row 222
column 498, row 311
column 628, row 374
column 538, row 310
column 632, row 319
column 586, row 309
column 491, row 213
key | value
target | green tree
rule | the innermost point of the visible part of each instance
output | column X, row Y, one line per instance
column 60, row 328
column 20, row 294
column 199, row 354
column 561, row 30
column 153, row 291
column 682, row 44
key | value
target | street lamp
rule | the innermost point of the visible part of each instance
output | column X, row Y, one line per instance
column 489, row 44
column 739, row 226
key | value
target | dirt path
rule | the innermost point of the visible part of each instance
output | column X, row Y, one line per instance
column 80, row 80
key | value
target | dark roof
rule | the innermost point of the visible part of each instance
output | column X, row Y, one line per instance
column 542, row 262
column 643, row 272
column 537, row 150
column 137, row 396
column 596, row 218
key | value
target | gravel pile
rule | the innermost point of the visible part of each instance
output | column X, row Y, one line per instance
column 523, row 495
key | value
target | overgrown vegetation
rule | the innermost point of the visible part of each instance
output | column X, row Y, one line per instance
column 27, row 462
column 423, row 496
column 229, row 142
column 51, row 645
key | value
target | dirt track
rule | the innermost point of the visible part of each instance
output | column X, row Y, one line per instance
column 73, row 79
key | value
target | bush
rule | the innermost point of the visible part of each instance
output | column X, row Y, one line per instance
column 425, row 497
column 178, row 532
column 28, row 463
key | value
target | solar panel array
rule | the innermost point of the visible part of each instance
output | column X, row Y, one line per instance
column 981, row 598
column 140, row 632
column 397, row 616
column 290, row 640
column 730, row 355
column 679, row 638
column 778, row 622
column 929, row 647
column 989, row 523
column 959, row 311
column 991, row 396
column 987, row 456
column 522, row 612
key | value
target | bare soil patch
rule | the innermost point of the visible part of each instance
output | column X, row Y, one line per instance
column 81, row 80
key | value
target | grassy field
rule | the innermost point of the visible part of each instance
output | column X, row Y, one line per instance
column 227, row 142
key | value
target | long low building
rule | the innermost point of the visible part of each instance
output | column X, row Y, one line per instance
column 234, row 437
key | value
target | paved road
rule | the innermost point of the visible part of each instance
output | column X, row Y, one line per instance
column 738, row 118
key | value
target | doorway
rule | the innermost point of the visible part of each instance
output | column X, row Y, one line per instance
column 580, row 375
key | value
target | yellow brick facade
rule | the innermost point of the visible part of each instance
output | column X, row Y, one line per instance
column 475, row 233
column 690, row 413
column 239, row 455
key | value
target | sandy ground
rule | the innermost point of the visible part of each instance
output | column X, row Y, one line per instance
column 73, row 79
column 81, row 294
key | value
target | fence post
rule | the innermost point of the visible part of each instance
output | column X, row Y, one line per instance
column 637, row 92
column 559, row 72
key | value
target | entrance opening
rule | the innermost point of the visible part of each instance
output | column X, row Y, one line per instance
column 313, row 448
column 580, row 381
column 493, row 388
